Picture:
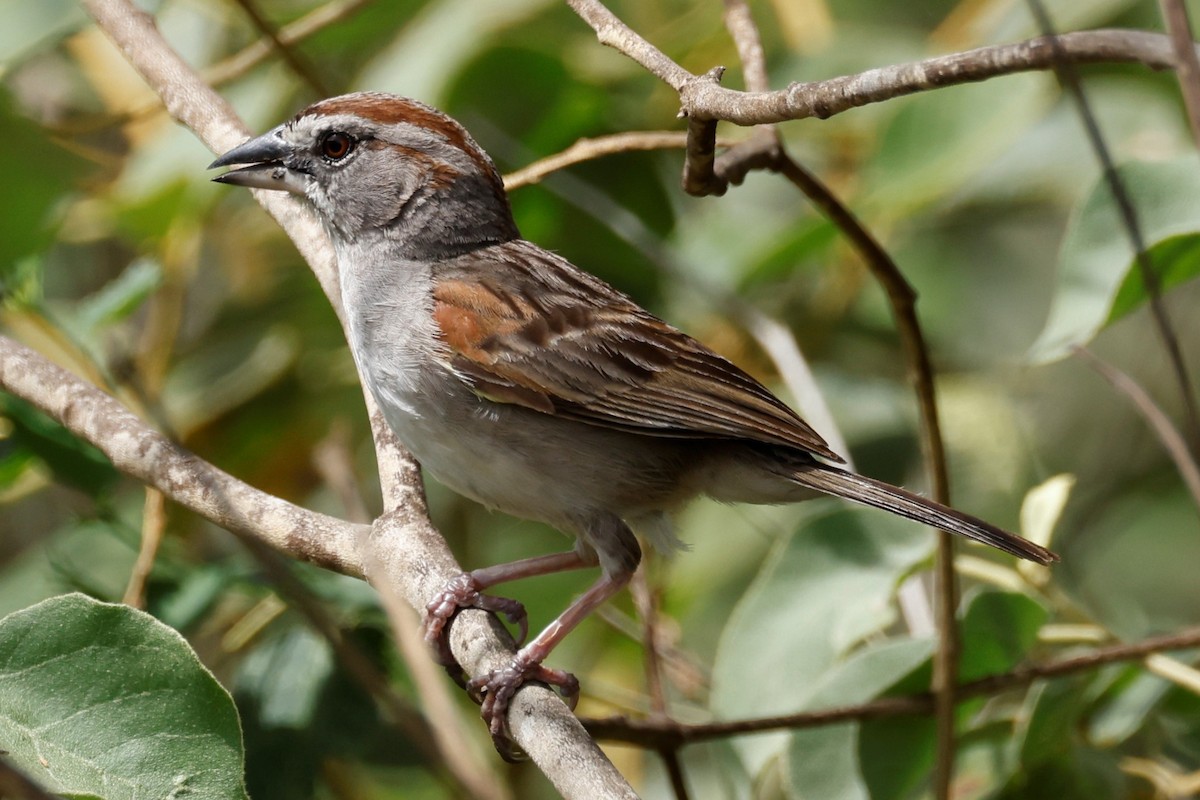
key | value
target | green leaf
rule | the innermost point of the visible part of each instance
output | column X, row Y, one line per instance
column 998, row 631
column 939, row 141
column 1175, row 260
column 286, row 675
column 104, row 699
column 1095, row 284
column 44, row 173
column 826, row 761
column 72, row 461
column 120, row 297
column 820, row 594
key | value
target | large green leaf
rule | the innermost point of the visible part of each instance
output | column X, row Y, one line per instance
column 1098, row 279
column 825, row 762
column 819, row 595
column 939, row 141
column 104, row 699
column 998, row 631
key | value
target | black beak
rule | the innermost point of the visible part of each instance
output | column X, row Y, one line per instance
column 267, row 170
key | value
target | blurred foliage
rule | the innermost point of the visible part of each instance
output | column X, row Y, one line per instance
column 120, row 260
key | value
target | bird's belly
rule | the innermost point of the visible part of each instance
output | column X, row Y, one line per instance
column 533, row 465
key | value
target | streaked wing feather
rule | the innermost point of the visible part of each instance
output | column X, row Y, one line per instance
column 530, row 329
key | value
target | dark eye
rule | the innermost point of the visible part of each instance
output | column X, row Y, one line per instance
column 336, row 145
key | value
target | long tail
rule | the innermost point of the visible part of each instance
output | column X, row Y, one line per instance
column 871, row 492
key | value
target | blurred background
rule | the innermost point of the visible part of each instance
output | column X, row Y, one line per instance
column 122, row 261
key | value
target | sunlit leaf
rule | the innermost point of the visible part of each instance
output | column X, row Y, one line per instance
column 1175, row 260
column 105, row 699
column 1095, row 286
column 1042, row 507
column 286, row 676
column 827, row 586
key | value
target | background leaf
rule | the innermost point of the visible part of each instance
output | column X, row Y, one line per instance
column 1096, row 284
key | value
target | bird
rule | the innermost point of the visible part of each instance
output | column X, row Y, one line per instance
column 529, row 385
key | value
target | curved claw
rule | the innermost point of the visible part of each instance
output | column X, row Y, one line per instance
column 463, row 591
column 496, row 689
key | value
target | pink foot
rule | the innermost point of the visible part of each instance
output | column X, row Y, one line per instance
column 462, row 591
column 496, row 689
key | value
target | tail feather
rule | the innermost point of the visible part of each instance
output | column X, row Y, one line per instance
column 878, row 494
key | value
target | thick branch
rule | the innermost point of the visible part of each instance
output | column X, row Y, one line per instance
column 704, row 100
column 145, row 454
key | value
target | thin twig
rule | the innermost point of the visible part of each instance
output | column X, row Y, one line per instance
column 293, row 59
column 1159, row 422
column 154, row 520
column 744, row 32
column 670, row 757
column 656, row 734
column 771, row 154
column 1187, row 64
column 645, row 600
column 598, row 147
column 902, row 299
column 1069, row 78
column 289, row 35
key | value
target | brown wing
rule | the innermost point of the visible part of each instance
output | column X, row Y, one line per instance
column 529, row 328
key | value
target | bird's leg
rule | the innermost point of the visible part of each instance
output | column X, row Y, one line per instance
column 497, row 688
column 465, row 590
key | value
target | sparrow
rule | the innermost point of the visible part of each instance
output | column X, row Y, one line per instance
column 523, row 382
